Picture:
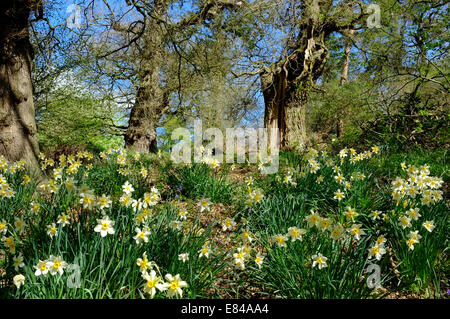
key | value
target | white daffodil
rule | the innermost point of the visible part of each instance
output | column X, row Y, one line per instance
column 143, row 263
column 41, row 268
column 105, row 226
column 63, row 219
column 280, row 240
column 319, row 260
column 228, row 224
column 204, row 204
column 174, row 285
column 183, row 257
column 56, row 265
column 18, row 262
column 296, row 233
column 51, row 230
column 152, row 282
column 141, row 235
column 376, row 251
column 104, row 202
column 429, row 225
column 127, row 188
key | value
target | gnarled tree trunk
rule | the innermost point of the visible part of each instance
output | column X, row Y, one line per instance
column 286, row 84
column 17, row 117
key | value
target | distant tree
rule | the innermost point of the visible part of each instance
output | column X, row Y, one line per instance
column 160, row 51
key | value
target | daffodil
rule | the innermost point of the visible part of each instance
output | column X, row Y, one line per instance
column 375, row 214
column 377, row 251
column 339, row 178
column 351, row 213
column 339, row 195
column 88, row 200
column 126, row 200
column 405, row 222
column 137, row 205
column 205, row 251
column 18, row 262
column 296, row 233
column 143, row 263
column 239, row 258
column 381, row 240
column 319, row 260
column 141, row 235
column 337, row 232
column 313, row 219
column 183, row 214
column 3, row 227
column 41, row 268
column 183, row 257
column 176, row 224
column 356, row 231
column 174, row 285
column 19, row 280
column 324, row 224
column 246, row 235
column 56, row 265
column 127, row 188
column 105, row 226
column 429, row 225
column 204, row 204
column 152, row 282
column 259, row 259
column 19, row 224
column 51, row 230
column 63, row 219
column 228, row 224
column 104, row 202
column 280, row 240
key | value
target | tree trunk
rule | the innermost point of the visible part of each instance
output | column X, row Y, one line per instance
column 286, row 84
column 284, row 109
column 151, row 100
column 17, row 117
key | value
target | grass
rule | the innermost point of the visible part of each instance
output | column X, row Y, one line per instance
column 106, row 267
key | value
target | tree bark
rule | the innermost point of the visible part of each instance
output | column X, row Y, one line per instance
column 286, row 84
column 284, row 108
column 151, row 100
column 17, row 117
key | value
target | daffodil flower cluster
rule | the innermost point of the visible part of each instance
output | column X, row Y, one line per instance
column 418, row 184
column 418, row 188
column 54, row 265
column 254, row 196
column 5, row 190
column 150, row 272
